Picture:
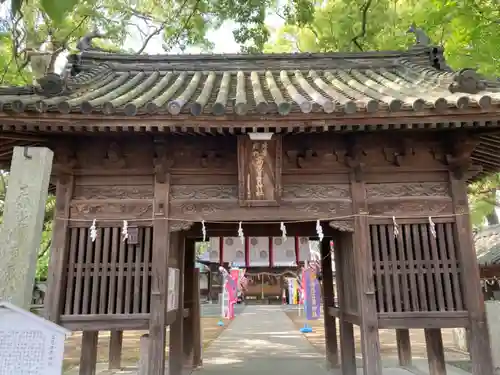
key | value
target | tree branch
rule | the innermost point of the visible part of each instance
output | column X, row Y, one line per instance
column 364, row 16
column 44, row 251
column 184, row 26
column 160, row 28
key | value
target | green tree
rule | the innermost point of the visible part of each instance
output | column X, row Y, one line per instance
column 468, row 30
column 181, row 23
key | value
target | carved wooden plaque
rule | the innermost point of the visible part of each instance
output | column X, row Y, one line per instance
column 259, row 171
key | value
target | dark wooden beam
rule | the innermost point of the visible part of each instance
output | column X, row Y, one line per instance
column 480, row 350
column 176, row 352
column 347, row 343
column 332, row 354
column 370, row 342
column 435, row 351
column 115, row 350
column 404, row 346
column 88, row 356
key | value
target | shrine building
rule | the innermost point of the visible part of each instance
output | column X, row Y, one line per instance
column 373, row 150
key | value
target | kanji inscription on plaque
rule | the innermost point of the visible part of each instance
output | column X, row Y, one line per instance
column 29, row 345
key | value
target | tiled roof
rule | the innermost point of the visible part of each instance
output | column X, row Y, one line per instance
column 260, row 84
column 488, row 245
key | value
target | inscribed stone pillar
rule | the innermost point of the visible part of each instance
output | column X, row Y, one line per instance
column 22, row 226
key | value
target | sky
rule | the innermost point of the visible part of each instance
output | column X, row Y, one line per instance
column 222, row 38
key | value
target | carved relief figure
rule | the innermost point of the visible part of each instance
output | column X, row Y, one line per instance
column 259, row 154
column 114, row 157
column 259, row 171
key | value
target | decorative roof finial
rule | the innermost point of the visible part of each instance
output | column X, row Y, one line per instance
column 85, row 44
column 467, row 81
column 421, row 37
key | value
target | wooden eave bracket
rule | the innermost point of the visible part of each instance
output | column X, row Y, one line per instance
column 353, row 158
column 162, row 160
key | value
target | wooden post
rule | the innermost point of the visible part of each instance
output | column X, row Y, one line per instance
column 196, row 323
column 404, row 346
column 159, row 268
column 435, row 351
column 115, row 350
column 88, row 356
column 189, row 284
column 347, row 344
column 332, row 354
column 176, row 351
column 22, row 225
column 479, row 344
column 370, row 343
column 143, row 355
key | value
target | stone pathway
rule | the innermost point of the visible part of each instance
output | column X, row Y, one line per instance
column 262, row 339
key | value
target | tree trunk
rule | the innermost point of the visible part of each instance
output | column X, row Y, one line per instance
column 492, row 218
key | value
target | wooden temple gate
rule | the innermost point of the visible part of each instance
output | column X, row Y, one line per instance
column 376, row 146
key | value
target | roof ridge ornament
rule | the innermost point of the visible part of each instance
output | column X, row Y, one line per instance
column 467, row 81
column 85, row 44
column 422, row 39
column 51, row 84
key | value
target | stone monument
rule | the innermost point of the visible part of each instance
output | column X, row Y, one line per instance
column 493, row 318
column 29, row 345
column 22, row 225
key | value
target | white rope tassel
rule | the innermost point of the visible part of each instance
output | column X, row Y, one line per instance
column 125, row 230
column 93, row 231
column 283, row 231
column 319, row 231
column 432, row 227
column 203, row 230
column 240, row 234
column 396, row 227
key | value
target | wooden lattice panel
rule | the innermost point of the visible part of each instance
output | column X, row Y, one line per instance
column 108, row 276
column 415, row 271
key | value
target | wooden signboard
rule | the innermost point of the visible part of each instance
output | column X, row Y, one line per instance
column 259, row 171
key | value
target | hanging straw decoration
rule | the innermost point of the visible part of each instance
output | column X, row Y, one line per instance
column 125, row 230
column 396, row 227
column 93, row 231
column 319, row 231
column 203, row 230
column 283, row 231
column 240, row 234
column 432, row 227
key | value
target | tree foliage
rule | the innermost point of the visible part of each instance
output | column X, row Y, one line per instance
column 469, row 30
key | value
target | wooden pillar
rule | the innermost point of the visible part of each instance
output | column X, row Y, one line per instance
column 480, row 351
column 176, row 351
column 115, row 350
column 367, row 308
column 347, row 344
column 88, row 356
column 404, row 346
column 59, row 250
column 143, row 355
column 196, row 323
column 159, row 268
column 189, row 284
column 435, row 351
column 332, row 355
